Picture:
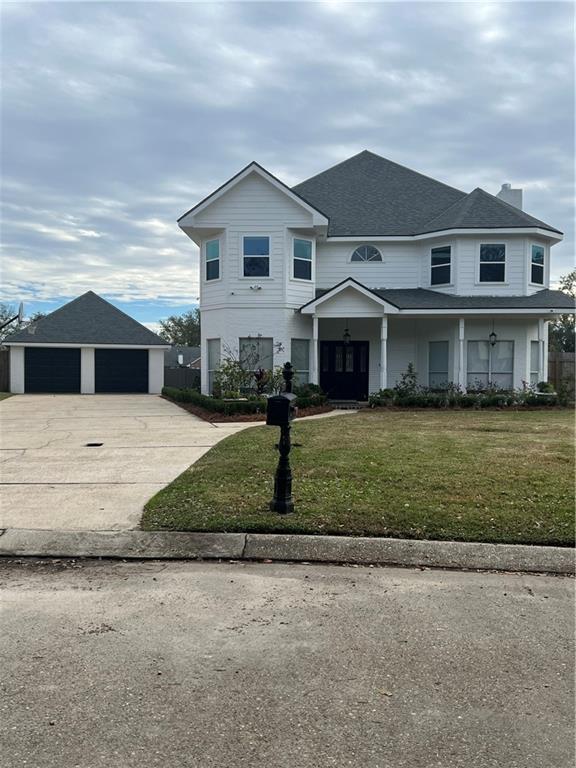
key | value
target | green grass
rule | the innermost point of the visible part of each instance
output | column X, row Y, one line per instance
column 4, row 395
column 471, row 476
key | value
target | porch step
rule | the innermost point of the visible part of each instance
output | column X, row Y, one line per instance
column 348, row 405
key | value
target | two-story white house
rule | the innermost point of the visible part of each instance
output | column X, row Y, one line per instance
column 368, row 267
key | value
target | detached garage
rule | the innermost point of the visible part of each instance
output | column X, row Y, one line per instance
column 87, row 346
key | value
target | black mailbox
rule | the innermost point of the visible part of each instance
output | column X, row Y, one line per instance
column 279, row 410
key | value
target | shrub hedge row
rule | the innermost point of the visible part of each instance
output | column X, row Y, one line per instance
column 391, row 398
column 253, row 404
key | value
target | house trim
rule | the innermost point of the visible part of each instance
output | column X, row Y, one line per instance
column 349, row 282
column 86, row 345
column 552, row 234
column 318, row 218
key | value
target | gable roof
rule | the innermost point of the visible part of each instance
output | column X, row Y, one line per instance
column 348, row 282
column 370, row 196
column 88, row 319
column 254, row 167
column 423, row 299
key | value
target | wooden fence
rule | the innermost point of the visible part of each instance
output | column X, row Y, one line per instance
column 182, row 378
column 561, row 369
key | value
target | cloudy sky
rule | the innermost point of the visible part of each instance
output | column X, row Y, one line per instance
column 118, row 117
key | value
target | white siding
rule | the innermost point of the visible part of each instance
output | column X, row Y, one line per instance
column 155, row 371
column 17, row 370
column 254, row 207
column 233, row 323
column 468, row 283
column 400, row 266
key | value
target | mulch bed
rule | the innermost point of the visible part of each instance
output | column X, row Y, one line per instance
column 219, row 418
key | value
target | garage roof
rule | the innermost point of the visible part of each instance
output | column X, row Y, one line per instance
column 89, row 319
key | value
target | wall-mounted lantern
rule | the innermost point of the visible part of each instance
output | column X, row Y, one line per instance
column 346, row 337
column 492, row 338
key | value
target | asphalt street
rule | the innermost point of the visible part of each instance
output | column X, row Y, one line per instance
column 145, row 664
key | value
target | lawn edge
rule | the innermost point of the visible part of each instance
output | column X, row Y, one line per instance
column 171, row 545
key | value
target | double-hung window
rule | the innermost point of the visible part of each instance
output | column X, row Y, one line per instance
column 438, row 364
column 300, row 358
column 302, row 257
column 534, row 363
column 492, row 263
column 440, row 265
column 213, row 349
column 256, row 352
column 537, row 265
column 212, row 253
column 256, row 254
column 490, row 365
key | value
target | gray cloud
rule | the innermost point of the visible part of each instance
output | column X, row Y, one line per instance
column 118, row 117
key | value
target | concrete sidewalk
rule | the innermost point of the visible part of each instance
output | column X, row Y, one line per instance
column 53, row 479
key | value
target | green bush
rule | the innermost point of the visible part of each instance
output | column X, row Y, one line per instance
column 252, row 404
column 214, row 404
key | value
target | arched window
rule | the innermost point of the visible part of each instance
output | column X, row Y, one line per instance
column 366, row 253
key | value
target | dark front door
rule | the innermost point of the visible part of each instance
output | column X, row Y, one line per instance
column 51, row 369
column 121, row 370
column 344, row 369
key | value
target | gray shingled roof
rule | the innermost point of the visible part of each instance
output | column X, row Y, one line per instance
column 480, row 210
column 421, row 298
column 369, row 196
column 89, row 319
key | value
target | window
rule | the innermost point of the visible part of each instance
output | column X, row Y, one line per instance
column 300, row 359
column 537, row 265
column 212, row 251
column 534, row 362
column 438, row 364
column 213, row 347
column 490, row 365
column 256, row 257
column 366, row 253
column 256, row 352
column 440, row 265
column 492, row 263
column 302, row 252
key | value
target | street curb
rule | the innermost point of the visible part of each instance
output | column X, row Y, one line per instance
column 171, row 545
column 121, row 544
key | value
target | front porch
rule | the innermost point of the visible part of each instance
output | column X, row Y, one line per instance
column 362, row 343
column 352, row 357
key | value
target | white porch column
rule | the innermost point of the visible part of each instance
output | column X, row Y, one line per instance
column 461, row 369
column 87, row 371
column 541, row 361
column 314, row 375
column 384, row 352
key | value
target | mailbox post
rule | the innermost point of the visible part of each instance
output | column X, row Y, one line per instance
column 279, row 413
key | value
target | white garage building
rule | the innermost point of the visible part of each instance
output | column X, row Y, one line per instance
column 87, row 346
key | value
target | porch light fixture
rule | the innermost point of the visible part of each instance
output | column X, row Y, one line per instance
column 492, row 338
column 346, row 335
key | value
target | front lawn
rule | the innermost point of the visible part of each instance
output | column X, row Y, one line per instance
column 472, row 476
column 4, row 395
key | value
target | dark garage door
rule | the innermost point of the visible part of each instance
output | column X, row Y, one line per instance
column 121, row 370
column 51, row 369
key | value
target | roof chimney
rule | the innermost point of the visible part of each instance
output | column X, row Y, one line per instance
column 511, row 196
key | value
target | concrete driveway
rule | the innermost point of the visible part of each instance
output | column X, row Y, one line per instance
column 52, row 479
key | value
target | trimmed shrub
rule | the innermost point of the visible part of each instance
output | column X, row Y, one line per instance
column 253, row 403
